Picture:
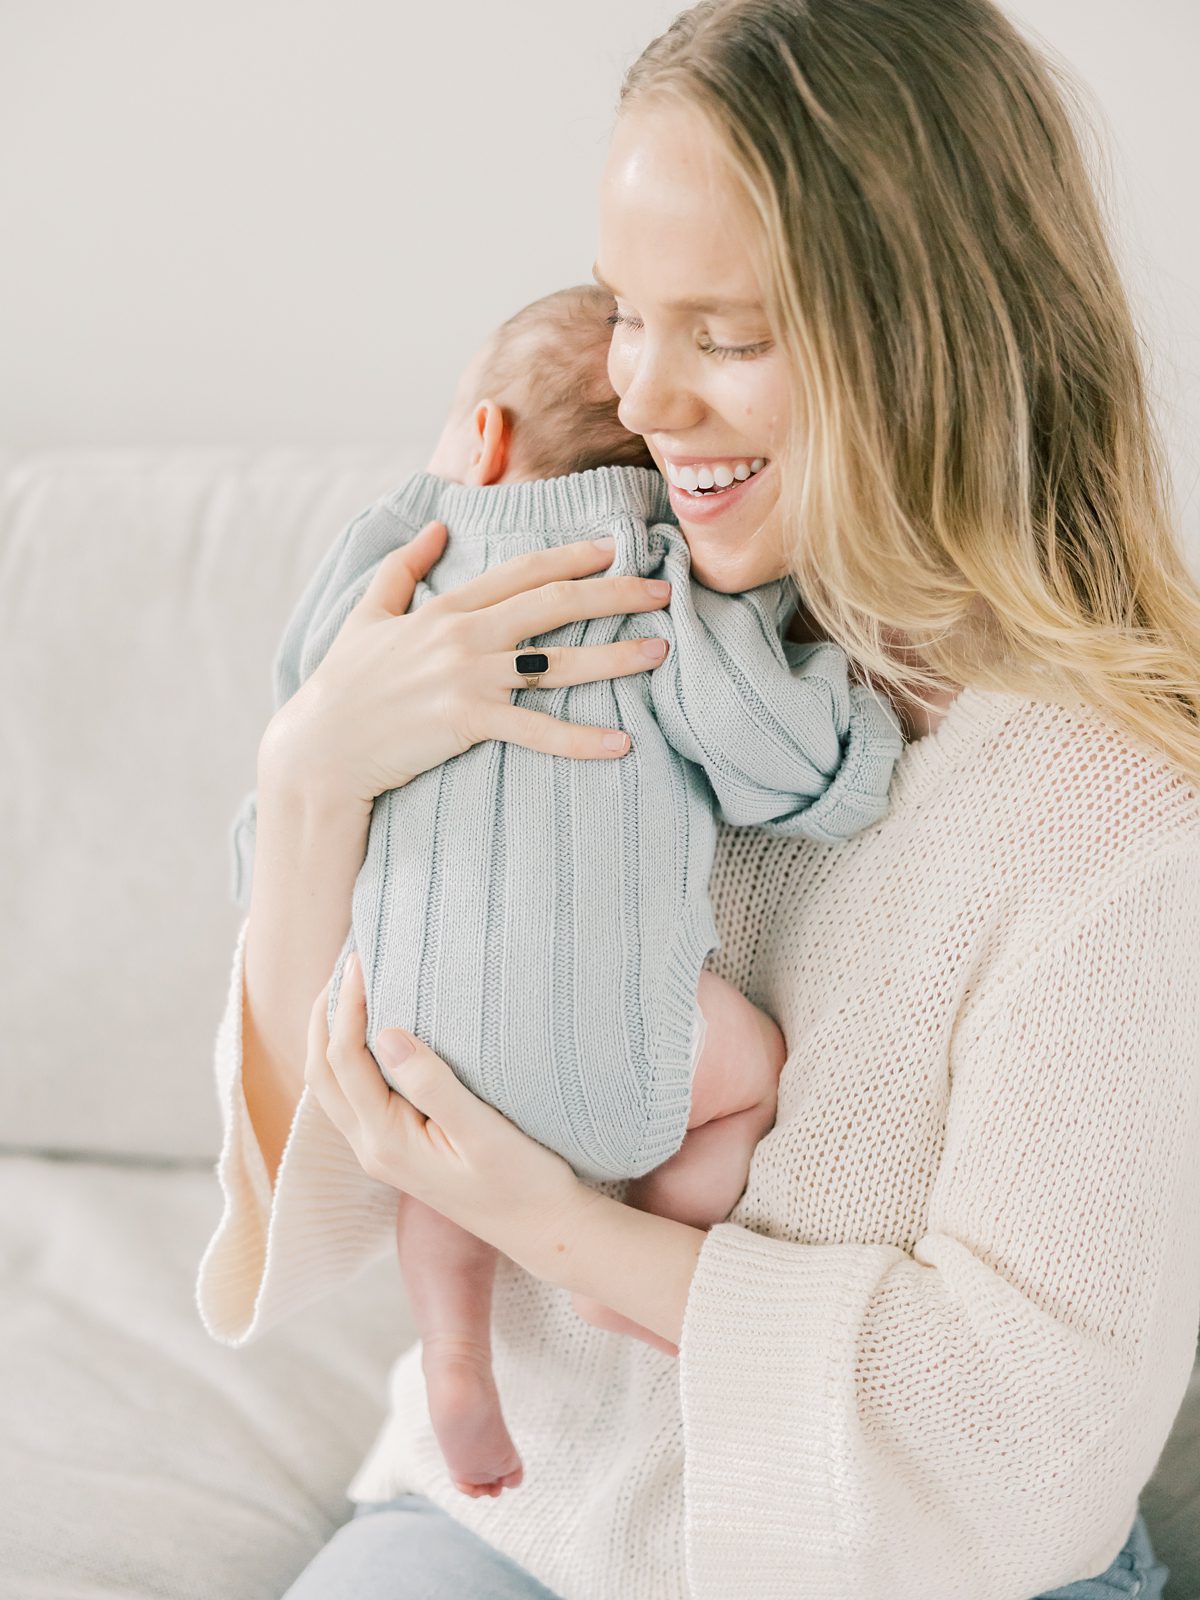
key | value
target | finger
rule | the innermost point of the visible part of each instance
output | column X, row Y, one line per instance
column 539, row 730
column 430, row 1085
column 563, row 600
column 521, row 573
column 395, row 579
column 362, row 1085
column 319, row 1075
column 581, row 663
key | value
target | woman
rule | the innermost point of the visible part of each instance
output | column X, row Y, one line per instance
column 937, row 1347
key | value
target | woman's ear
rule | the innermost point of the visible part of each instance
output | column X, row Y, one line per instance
column 491, row 433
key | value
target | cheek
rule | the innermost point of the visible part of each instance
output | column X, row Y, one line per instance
column 778, row 409
column 763, row 407
column 618, row 369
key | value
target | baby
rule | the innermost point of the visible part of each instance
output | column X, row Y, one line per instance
column 542, row 924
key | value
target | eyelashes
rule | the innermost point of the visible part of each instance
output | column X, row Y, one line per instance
column 726, row 352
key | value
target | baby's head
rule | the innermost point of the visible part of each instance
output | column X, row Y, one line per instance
column 536, row 402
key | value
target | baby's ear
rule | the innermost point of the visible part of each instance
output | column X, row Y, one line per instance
column 491, row 432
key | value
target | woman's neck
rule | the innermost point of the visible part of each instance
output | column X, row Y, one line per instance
column 917, row 720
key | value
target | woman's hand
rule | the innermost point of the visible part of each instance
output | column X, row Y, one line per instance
column 399, row 692
column 441, row 1143
column 436, row 1141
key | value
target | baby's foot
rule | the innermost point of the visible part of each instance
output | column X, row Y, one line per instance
column 464, row 1408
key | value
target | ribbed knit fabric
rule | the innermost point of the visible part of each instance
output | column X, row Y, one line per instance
column 541, row 921
column 936, row 1349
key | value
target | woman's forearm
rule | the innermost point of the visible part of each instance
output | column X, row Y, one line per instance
column 637, row 1262
column 308, row 851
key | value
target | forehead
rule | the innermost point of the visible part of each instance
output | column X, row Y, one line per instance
column 675, row 225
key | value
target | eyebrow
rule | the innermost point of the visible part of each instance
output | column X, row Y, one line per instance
column 691, row 303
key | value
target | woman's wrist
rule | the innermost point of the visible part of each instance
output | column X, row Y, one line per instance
column 637, row 1262
column 286, row 770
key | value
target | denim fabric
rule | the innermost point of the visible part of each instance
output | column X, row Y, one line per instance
column 409, row 1549
column 1135, row 1572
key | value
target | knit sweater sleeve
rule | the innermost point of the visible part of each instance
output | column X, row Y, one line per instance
column 971, row 1417
column 326, row 1221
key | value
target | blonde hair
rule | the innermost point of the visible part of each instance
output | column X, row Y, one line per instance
column 547, row 367
column 972, row 460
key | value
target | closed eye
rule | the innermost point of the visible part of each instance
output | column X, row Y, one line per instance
column 740, row 352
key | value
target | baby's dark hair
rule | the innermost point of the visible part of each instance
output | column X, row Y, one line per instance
column 546, row 367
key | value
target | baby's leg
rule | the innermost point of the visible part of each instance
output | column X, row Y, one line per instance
column 449, row 1274
column 733, row 1105
column 734, row 1092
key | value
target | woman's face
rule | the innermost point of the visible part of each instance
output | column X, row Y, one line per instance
column 692, row 358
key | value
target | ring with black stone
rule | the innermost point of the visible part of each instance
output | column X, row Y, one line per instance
column 530, row 664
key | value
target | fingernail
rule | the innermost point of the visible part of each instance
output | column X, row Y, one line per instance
column 607, row 543
column 658, row 586
column 615, row 741
column 393, row 1047
column 655, row 649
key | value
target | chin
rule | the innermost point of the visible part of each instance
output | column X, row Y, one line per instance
column 724, row 582
column 727, row 568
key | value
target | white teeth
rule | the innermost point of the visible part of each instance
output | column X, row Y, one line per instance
column 702, row 475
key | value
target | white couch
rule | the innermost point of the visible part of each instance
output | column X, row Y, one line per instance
column 141, row 595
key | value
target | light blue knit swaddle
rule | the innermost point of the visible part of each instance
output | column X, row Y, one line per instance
column 540, row 921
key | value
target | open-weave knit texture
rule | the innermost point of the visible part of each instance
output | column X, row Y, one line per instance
column 937, row 1347
column 541, row 922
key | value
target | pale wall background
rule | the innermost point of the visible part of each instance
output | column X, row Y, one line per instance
column 259, row 222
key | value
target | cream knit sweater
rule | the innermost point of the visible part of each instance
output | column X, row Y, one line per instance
column 936, row 1349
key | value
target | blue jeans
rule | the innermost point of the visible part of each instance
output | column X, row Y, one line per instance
column 409, row 1549
column 1136, row 1572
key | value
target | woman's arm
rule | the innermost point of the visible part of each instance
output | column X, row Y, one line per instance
column 437, row 1141
column 309, row 838
column 272, row 1253
column 390, row 697
column 308, row 850
column 638, row 1263
column 976, row 1417
column 285, row 1241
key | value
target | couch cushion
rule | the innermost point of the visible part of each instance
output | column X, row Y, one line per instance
column 138, row 1457
column 142, row 598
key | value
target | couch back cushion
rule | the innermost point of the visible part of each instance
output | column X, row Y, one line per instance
column 142, row 595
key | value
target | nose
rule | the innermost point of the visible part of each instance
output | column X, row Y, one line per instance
column 654, row 397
